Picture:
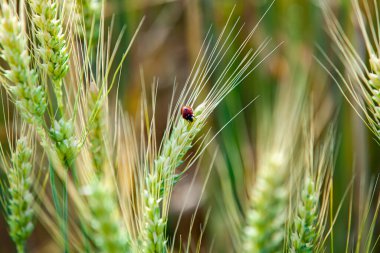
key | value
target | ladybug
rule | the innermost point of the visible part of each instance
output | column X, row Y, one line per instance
column 187, row 113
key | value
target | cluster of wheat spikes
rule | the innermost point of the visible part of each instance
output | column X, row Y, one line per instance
column 268, row 209
column 99, row 180
column 96, row 188
column 286, row 210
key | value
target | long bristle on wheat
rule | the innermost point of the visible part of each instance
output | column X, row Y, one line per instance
column 180, row 134
column 361, row 85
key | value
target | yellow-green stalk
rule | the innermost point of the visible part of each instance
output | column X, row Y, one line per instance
column 89, row 11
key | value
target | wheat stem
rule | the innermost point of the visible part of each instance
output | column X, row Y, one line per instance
column 89, row 10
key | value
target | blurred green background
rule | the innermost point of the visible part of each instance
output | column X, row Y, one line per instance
column 166, row 48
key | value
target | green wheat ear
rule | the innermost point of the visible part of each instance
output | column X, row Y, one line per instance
column 107, row 232
column 20, row 211
column 66, row 143
column 52, row 48
column 304, row 236
column 29, row 98
column 49, row 32
column 96, row 129
column 160, row 180
column 266, row 217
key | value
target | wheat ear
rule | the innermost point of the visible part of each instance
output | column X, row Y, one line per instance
column 52, row 48
column 304, row 236
column 180, row 133
column 28, row 97
column 108, row 234
column 20, row 204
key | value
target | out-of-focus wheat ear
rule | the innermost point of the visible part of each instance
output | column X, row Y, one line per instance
column 280, row 151
column 52, row 46
column 28, row 96
column 132, row 154
column 107, row 233
column 20, row 216
column 266, row 218
column 97, row 128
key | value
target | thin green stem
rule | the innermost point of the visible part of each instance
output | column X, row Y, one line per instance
column 331, row 221
column 87, row 247
column 54, row 189
column 62, row 212
column 65, row 213
column 20, row 248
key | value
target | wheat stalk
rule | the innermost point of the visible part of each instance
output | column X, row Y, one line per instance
column 89, row 11
column 278, row 157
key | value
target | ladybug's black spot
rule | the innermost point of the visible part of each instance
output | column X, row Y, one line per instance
column 189, row 117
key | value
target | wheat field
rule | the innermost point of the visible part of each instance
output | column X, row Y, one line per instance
column 160, row 126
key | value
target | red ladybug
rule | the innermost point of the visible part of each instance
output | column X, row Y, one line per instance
column 187, row 113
